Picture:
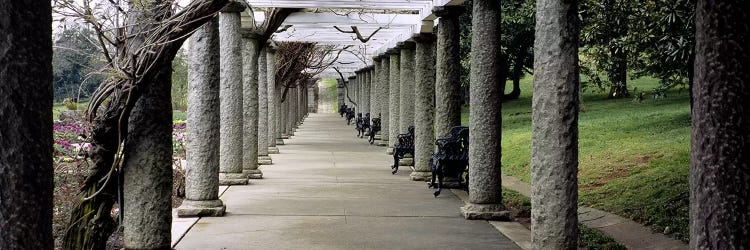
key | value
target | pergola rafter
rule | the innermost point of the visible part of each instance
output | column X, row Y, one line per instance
column 384, row 22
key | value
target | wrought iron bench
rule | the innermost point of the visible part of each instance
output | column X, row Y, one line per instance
column 451, row 158
column 374, row 129
column 363, row 124
column 349, row 115
column 342, row 110
column 404, row 146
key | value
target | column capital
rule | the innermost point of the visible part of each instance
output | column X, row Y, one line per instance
column 352, row 78
column 448, row 11
column 377, row 58
column 394, row 51
column 424, row 37
column 234, row 6
column 406, row 45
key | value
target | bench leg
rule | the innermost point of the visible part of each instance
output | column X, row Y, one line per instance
column 395, row 161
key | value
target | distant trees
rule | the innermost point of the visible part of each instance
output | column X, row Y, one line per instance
column 517, row 42
column 75, row 62
column 179, row 81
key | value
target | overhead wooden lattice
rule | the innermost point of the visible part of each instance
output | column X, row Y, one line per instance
column 364, row 28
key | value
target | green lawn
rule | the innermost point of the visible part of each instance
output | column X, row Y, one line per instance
column 633, row 155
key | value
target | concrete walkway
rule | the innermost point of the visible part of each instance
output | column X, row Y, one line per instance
column 329, row 190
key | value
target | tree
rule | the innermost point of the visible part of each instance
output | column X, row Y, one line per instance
column 75, row 63
column 720, row 144
column 604, row 35
column 663, row 38
column 179, row 81
column 517, row 42
column 26, row 182
column 138, row 57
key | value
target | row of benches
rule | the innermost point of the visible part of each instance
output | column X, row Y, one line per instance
column 450, row 160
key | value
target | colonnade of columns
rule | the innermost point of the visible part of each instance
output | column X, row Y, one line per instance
column 416, row 83
column 234, row 102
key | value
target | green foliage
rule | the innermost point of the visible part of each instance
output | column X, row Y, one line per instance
column 591, row 239
column 179, row 81
column 70, row 104
column 633, row 158
column 518, row 21
column 75, row 63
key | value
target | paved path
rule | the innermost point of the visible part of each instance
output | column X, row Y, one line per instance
column 330, row 190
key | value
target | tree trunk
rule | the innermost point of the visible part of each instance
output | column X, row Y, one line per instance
column 26, row 179
column 554, row 139
column 720, row 150
column 516, row 77
column 618, row 78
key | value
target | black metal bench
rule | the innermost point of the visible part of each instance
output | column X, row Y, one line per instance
column 363, row 124
column 349, row 115
column 404, row 146
column 342, row 110
column 451, row 158
column 374, row 129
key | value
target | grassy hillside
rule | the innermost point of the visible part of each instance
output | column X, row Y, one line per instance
column 634, row 156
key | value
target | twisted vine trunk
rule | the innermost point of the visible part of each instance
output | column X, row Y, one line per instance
column 91, row 222
column 26, row 125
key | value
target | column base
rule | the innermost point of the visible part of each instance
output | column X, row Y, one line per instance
column 420, row 176
column 472, row 211
column 253, row 173
column 382, row 143
column 209, row 208
column 284, row 136
column 378, row 137
column 389, row 151
column 273, row 150
column 232, row 179
column 264, row 160
column 279, row 141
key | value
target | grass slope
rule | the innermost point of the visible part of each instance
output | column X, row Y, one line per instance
column 634, row 157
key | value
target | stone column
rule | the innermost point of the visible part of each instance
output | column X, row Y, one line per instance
column 394, row 97
column 272, row 107
column 263, row 158
column 285, row 115
column 352, row 93
column 424, row 93
column 281, row 127
column 291, row 100
column 720, row 134
column 202, row 172
column 367, row 73
column 27, row 179
column 341, row 91
column 230, row 95
column 375, row 87
column 250, row 53
column 355, row 85
column 485, row 191
column 406, row 100
column 554, row 138
column 384, row 96
column 448, row 67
